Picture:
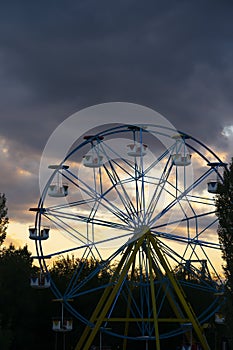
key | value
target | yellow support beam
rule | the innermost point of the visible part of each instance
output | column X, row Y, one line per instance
column 102, row 302
column 128, row 308
column 180, row 294
column 142, row 319
column 152, row 287
column 183, row 312
column 108, row 297
column 169, row 294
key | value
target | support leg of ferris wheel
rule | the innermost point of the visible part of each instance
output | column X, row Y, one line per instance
column 99, row 314
column 129, row 300
column 180, row 294
column 155, row 318
column 107, row 298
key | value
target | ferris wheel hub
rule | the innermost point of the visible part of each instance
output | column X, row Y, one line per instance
column 140, row 231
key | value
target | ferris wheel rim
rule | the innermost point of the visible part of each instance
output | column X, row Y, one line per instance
column 152, row 225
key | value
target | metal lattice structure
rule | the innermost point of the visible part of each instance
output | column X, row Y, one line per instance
column 141, row 195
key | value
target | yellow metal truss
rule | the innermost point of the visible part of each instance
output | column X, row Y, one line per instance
column 183, row 312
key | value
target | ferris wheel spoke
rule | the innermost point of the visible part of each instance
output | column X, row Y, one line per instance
column 123, row 164
column 84, row 188
column 201, row 200
column 185, row 219
column 77, row 274
column 81, row 185
column 108, row 204
column 161, row 181
column 68, row 205
column 77, row 287
column 158, row 160
column 87, row 219
column 170, row 252
column 136, row 190
column 185, row 239
column 204, row 230
column 92, row 203
column 133, row 206
column 119, row 186
column 181, row 196
column 142, row 192
column 68, row 229
column 191, row 218
column 80, row 247
column 113, row 209
column 139, row 193
column 99, row 197
column 158, row 191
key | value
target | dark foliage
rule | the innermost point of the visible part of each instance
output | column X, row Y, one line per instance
column 26, row 314
column 224, row 205
column 3, row 218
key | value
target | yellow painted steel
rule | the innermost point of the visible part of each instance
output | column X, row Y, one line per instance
column 152, row 287
column 169, row 294
column 128, row 309
column 107, row 298
column 101, row 302
column 180, row 318
column 145, row 319
column 180, row 294
column 183, row 312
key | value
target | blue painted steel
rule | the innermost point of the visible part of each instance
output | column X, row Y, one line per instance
column 136, row 206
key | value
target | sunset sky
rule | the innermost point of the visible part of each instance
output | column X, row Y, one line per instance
column 58, row 57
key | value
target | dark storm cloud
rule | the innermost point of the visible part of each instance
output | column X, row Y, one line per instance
column 174, row 56
column 57, row 57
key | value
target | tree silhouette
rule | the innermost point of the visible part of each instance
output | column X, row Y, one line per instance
column 224, row 205
column 3, row 218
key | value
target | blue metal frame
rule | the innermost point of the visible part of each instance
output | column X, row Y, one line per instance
column 129, row 180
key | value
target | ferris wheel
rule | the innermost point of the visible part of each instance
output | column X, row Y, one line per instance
column 139, row 200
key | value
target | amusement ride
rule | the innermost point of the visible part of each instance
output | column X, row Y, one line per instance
column 140, row 201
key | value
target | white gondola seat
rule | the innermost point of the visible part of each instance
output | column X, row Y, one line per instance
column 44, row 233
column 66, row 326
column 181, row 159
column 186, row 347
column 33, row 233
column 212, row 186
column 93, row 161
column 58, row 190
column 57, row 326
column 219, row 318
column 136, row 150
column 40, row 282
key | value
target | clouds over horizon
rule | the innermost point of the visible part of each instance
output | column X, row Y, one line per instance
column 59, row 57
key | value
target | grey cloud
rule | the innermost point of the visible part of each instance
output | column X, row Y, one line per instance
column 98, row 51
column 57, row 57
